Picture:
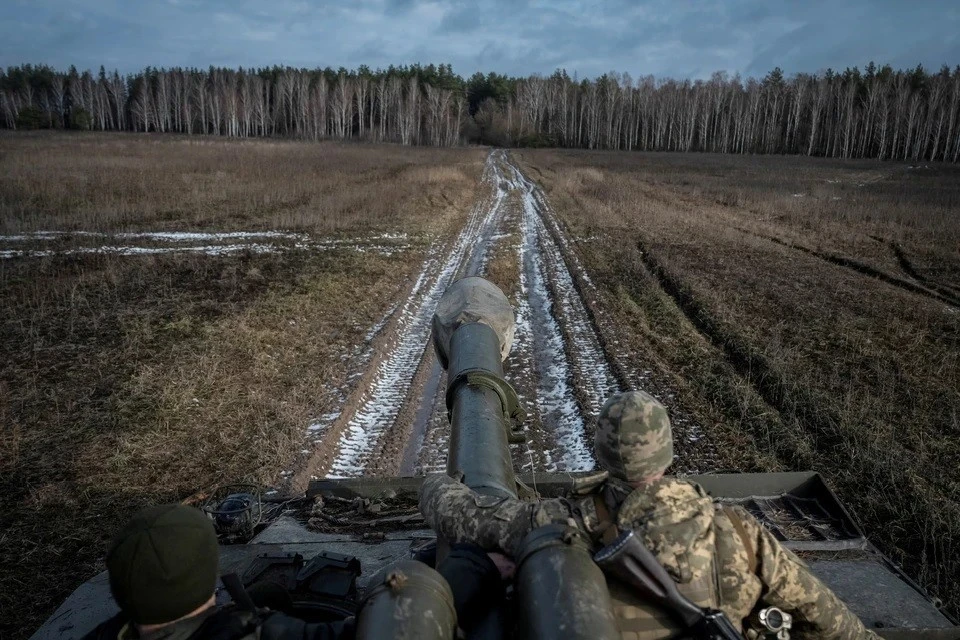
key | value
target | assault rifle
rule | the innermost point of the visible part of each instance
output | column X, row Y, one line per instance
column 627, row 559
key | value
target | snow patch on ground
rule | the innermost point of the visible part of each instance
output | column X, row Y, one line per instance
column 555, row 399
column 378, row 327
column 360, row 357
column 165, row 236
column 386, row 244
column 521, row 359
column 589, row 359
column 210, row 250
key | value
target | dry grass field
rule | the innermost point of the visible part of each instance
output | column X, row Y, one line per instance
column 808, row 312
column 133, row 379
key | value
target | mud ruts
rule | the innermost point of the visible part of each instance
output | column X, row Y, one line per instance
column 392, row 386
column 559, row 356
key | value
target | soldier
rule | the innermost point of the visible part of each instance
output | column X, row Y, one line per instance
column 720, row 557
column 163, row 568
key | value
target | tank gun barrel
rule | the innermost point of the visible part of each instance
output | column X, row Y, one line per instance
column 560, row 591
column 473, row 331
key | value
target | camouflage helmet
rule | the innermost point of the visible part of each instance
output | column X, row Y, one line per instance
column 633, row 439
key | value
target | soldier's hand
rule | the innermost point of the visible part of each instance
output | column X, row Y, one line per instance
column 505, row 565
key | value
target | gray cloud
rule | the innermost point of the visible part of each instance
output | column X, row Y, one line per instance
column 589, row 37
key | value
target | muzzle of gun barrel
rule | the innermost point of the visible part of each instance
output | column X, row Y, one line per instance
column 777, row 622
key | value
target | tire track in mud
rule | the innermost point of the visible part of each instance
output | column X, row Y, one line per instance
column 426, row 451
column 594, row 372
column 923, row 288
column 395, row 421
column 945, row 290
column 427, row 439
column 574, row 377
column 626, row 370
column 382, row 405
column 557, row 363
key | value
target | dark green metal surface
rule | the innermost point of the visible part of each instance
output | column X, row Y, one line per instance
column 411, row 602
column 561, row 591
column 478, row 443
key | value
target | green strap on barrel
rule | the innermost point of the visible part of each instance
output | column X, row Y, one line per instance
column 513, row 412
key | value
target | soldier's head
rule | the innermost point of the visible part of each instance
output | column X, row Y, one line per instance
column 634, row 441
column 163, row 565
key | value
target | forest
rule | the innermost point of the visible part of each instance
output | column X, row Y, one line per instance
column 877, row 113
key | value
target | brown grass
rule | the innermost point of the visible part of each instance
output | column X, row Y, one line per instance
column 132, row 380
column 110, row 182
column 811, row 331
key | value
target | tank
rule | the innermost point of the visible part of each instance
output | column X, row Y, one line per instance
column 344, row 547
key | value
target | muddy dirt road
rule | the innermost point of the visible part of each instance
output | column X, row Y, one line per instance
column 394, row 421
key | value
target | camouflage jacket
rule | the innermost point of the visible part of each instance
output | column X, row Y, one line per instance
column 679, row 523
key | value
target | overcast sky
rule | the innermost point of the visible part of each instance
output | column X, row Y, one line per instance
column 675, row 38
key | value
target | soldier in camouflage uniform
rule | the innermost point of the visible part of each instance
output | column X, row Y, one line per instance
column 720, row 557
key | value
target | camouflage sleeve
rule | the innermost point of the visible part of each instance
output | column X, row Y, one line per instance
column 459, row 514
column 791, row 586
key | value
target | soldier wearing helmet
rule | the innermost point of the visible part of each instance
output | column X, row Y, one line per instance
column 720, row 557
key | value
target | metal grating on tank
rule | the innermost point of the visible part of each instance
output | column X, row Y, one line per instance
column 801, row 522
column 369, row 516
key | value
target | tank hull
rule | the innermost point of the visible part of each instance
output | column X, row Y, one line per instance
column 874, row 588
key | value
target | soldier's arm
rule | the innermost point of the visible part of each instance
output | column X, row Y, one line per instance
column 791, row 586
column 459, row 514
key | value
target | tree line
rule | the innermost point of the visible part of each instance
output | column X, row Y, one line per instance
column 875, row 113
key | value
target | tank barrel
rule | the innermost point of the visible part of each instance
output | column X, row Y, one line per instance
column 561, row 593
column 472, row 332
column 478, row 441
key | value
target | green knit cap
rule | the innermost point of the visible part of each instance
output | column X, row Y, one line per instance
column 164, row 563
